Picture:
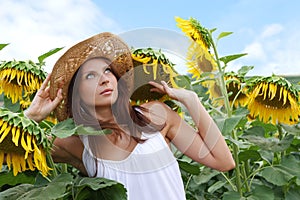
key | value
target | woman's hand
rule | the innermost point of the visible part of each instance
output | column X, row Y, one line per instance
column 41, row 105
column 181, row 95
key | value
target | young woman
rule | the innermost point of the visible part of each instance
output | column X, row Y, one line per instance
column 137, row 151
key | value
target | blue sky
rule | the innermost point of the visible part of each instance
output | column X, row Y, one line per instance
column 268, row 30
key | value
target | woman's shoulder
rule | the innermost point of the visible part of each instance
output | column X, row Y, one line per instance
column 154, row 105
column 160, row 113
column 157, row 107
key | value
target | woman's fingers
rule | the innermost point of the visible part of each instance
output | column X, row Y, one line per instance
column 45, row 82
column 57, row 99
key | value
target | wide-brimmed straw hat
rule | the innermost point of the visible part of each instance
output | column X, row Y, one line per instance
column 106, row 45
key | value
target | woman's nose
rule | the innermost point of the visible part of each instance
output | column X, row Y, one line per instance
column 103, row 80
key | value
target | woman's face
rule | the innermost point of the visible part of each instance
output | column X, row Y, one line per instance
column 98, row 85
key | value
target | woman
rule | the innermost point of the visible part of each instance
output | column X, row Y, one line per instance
column 95, row 78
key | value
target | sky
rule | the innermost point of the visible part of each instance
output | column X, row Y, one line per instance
column 267, row 30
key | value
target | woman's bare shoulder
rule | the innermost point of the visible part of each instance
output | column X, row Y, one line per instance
column 157, row 108
column 160, row 113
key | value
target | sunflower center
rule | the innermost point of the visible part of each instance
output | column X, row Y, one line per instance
column 8, row 146
column 276, row 103
column 205, row 65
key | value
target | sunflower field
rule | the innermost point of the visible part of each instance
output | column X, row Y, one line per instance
column 257, row 115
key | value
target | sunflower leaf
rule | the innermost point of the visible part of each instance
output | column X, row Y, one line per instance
column 223, row 34
column 244, row 70
column 14, row 107
column 67, row 128
column 42, row 57
column 99, row 188
column 227, row 59
column 231, row 123
column 2, row 46
column 270, row 144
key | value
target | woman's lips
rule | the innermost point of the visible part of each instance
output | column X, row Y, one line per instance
column 106, row 91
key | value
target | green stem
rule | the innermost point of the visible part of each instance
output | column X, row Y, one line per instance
column 245, row 175
column 52, row 165
column 64, row 168
column 235, row 150
column 188, row 182
column 222, row 80
column 229, row 181
column 229, row 114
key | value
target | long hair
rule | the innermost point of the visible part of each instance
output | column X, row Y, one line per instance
column 125, row 114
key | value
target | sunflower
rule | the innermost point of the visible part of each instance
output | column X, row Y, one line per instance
column 22, row 143
column 274, row 99
column 237, row 94
column 193, row 29
column 214, row 92
column 199, row 61
column 20, row 79
column 151, row 65
column 199, row 58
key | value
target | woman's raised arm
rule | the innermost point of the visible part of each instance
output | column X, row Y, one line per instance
column 42, row 105
column 206, row 144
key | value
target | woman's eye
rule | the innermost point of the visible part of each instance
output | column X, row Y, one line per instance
column 107, row 70
column 90, row 76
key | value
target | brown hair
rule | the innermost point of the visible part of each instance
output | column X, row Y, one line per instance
column 126, row 114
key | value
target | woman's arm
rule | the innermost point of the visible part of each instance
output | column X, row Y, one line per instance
column 205, row 145
column 69, row 150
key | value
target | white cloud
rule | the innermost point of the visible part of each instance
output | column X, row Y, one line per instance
column 271, row 30
column 274, row 50
column 255, row 51
column 35, row 27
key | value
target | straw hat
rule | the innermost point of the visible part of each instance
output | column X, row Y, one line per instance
column 105, row 45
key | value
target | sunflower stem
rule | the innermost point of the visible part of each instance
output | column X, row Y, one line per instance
column 51, row 163
column 64, row 168
column 245, row 175
column 229, row 114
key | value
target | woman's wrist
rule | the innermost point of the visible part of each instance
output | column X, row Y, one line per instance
column 32, row 116
column 189, row 98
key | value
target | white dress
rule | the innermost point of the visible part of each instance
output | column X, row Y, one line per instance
column 150, row 172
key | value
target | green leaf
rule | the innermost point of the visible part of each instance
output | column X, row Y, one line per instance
column 291, row 129
column 217, row 185
column 10, row 179
column 231, row 123
column 282, row 174
column 255, row 131
column 291, row 164
column 53, row 190
column 16, row 192
column 293, row 193
column 41, row 58
column 251, row 155
column 64, row 129
column 205, row 175
column 67, row 128
column 276, row 175
column 261, row 192
column 14, row 107
column 232, row 195
column 188, row 167
column 183, row 81
column 99, row 188
column 227, row 59
column 2, row 46
column 82, row 130
column 270, row 144
column 244, row 70
column 223, row 34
